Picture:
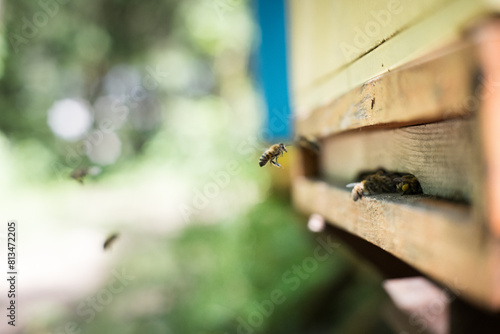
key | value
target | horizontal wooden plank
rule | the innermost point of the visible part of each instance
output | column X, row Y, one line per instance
column 442, row 155
column 317, row 82
column 440, row 238
column 434, row 88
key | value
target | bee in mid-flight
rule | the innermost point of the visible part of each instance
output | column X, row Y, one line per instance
column 79, row 174
column 110, row 240
column 383, row 181
column 272, row 155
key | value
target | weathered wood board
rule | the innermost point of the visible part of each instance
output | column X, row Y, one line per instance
column 440, row 88
column 442, row 155
column 436, row 117
column 437, row 237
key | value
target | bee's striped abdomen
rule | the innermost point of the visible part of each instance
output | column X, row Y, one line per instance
column 264, row 158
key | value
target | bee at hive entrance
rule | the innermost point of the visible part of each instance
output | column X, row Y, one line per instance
column 382, row 181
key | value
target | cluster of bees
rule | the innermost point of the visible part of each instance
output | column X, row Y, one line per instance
column 382, row 181
column 370, row 183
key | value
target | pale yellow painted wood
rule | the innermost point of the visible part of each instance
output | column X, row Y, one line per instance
column 321, row 73
column 336, row 32
column 434, row 88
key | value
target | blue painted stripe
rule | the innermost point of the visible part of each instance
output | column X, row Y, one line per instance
column 271, row 68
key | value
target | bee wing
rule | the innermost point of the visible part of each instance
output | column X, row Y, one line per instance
column 261, row 147
column 352, row 185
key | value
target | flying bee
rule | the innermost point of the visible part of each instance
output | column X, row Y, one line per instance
column 272, row 155
column 80, row 173
column 110, row 240
column 408, row 185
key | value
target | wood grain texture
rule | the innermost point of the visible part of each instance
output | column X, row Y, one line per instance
column 321, row 72
column 442, row 155
column 437, row 118
column 432, row 89
column 437, row 237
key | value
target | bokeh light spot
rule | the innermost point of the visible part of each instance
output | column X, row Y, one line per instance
column 69, row 119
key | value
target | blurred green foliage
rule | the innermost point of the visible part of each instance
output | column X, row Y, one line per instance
column 218, row 273
column 135, row 58
column 223, row 279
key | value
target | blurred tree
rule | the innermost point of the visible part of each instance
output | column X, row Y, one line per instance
column 68, row 49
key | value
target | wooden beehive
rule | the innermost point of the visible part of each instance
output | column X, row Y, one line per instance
column 417, row 91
